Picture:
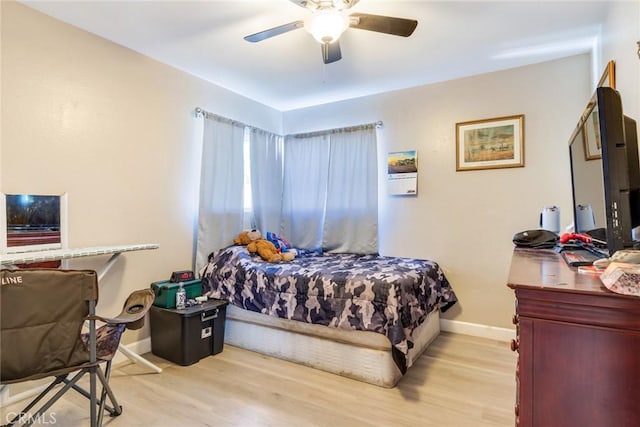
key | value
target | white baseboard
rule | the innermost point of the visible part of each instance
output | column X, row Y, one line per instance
column 477, row 330
column 9, row 399
column 6, row 398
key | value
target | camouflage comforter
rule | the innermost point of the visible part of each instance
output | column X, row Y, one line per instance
column 391, row 296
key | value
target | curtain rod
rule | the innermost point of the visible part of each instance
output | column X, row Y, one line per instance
column 206, row 114
column 377, row 125
column 200, row 112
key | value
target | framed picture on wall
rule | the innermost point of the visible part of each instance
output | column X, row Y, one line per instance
column 402, row 173
column 490, row 143
column 608, row 78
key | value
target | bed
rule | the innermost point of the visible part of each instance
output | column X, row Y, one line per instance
column 366, row 317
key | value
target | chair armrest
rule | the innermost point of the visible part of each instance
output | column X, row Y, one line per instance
column 134, row 310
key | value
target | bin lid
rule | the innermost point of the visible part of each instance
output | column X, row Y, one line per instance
column 195, row 310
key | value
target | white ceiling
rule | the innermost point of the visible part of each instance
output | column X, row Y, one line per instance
column 453, row 39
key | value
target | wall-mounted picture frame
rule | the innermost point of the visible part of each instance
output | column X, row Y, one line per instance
column 490, row 143
column 608, row 78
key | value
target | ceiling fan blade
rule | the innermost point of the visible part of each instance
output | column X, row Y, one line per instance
column 275, row 31
column 331, row 52
column 383, row 24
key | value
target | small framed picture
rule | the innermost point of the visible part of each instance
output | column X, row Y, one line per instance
column 402, row 173
column 490, row 143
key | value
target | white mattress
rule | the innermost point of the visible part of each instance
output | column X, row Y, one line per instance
column 361, row 355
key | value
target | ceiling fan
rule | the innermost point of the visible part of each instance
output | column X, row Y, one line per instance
column 328, row 21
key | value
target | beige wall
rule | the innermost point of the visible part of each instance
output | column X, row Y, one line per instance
column 116, row 131
column 621, row 33
column 465, row 220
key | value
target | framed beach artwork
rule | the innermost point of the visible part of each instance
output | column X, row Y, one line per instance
column 490, row 143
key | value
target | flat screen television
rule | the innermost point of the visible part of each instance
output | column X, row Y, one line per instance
column 631, row 138
column 33, row 222
column 605, row 173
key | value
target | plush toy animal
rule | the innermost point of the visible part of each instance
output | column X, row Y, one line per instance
column 265, row 249
column 256, row 244
column 282, row 245
column 246, row 237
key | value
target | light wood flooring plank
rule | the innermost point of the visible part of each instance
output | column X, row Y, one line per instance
column 459, row 381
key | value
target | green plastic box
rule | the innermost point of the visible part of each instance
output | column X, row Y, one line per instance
column 165, row 291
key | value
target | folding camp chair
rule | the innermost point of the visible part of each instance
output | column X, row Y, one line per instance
column 42, row 319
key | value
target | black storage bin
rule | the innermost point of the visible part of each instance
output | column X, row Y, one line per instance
column 186, row 336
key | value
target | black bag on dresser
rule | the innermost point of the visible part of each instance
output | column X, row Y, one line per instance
column 535, row 239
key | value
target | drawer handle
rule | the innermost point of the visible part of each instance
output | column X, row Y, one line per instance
column 514, row 345
column 515, row 319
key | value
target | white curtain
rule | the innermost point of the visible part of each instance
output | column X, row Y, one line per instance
column 351, row 219
column 319, row 190
column 330, row 194
column 221, row 186
column 306, row 170
column 266, row 180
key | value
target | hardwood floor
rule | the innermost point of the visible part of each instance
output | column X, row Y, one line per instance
column 459, row 381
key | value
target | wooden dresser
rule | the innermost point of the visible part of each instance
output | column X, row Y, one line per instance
column 578, row 346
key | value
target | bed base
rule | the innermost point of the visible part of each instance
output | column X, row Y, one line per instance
column 361, row 355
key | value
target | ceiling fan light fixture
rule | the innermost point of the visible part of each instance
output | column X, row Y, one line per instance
column 326, row 26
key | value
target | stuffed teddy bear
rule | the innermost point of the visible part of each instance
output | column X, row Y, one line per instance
column 246, row 237
column 256, row 244
column 284, row 247
column 265, row 249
